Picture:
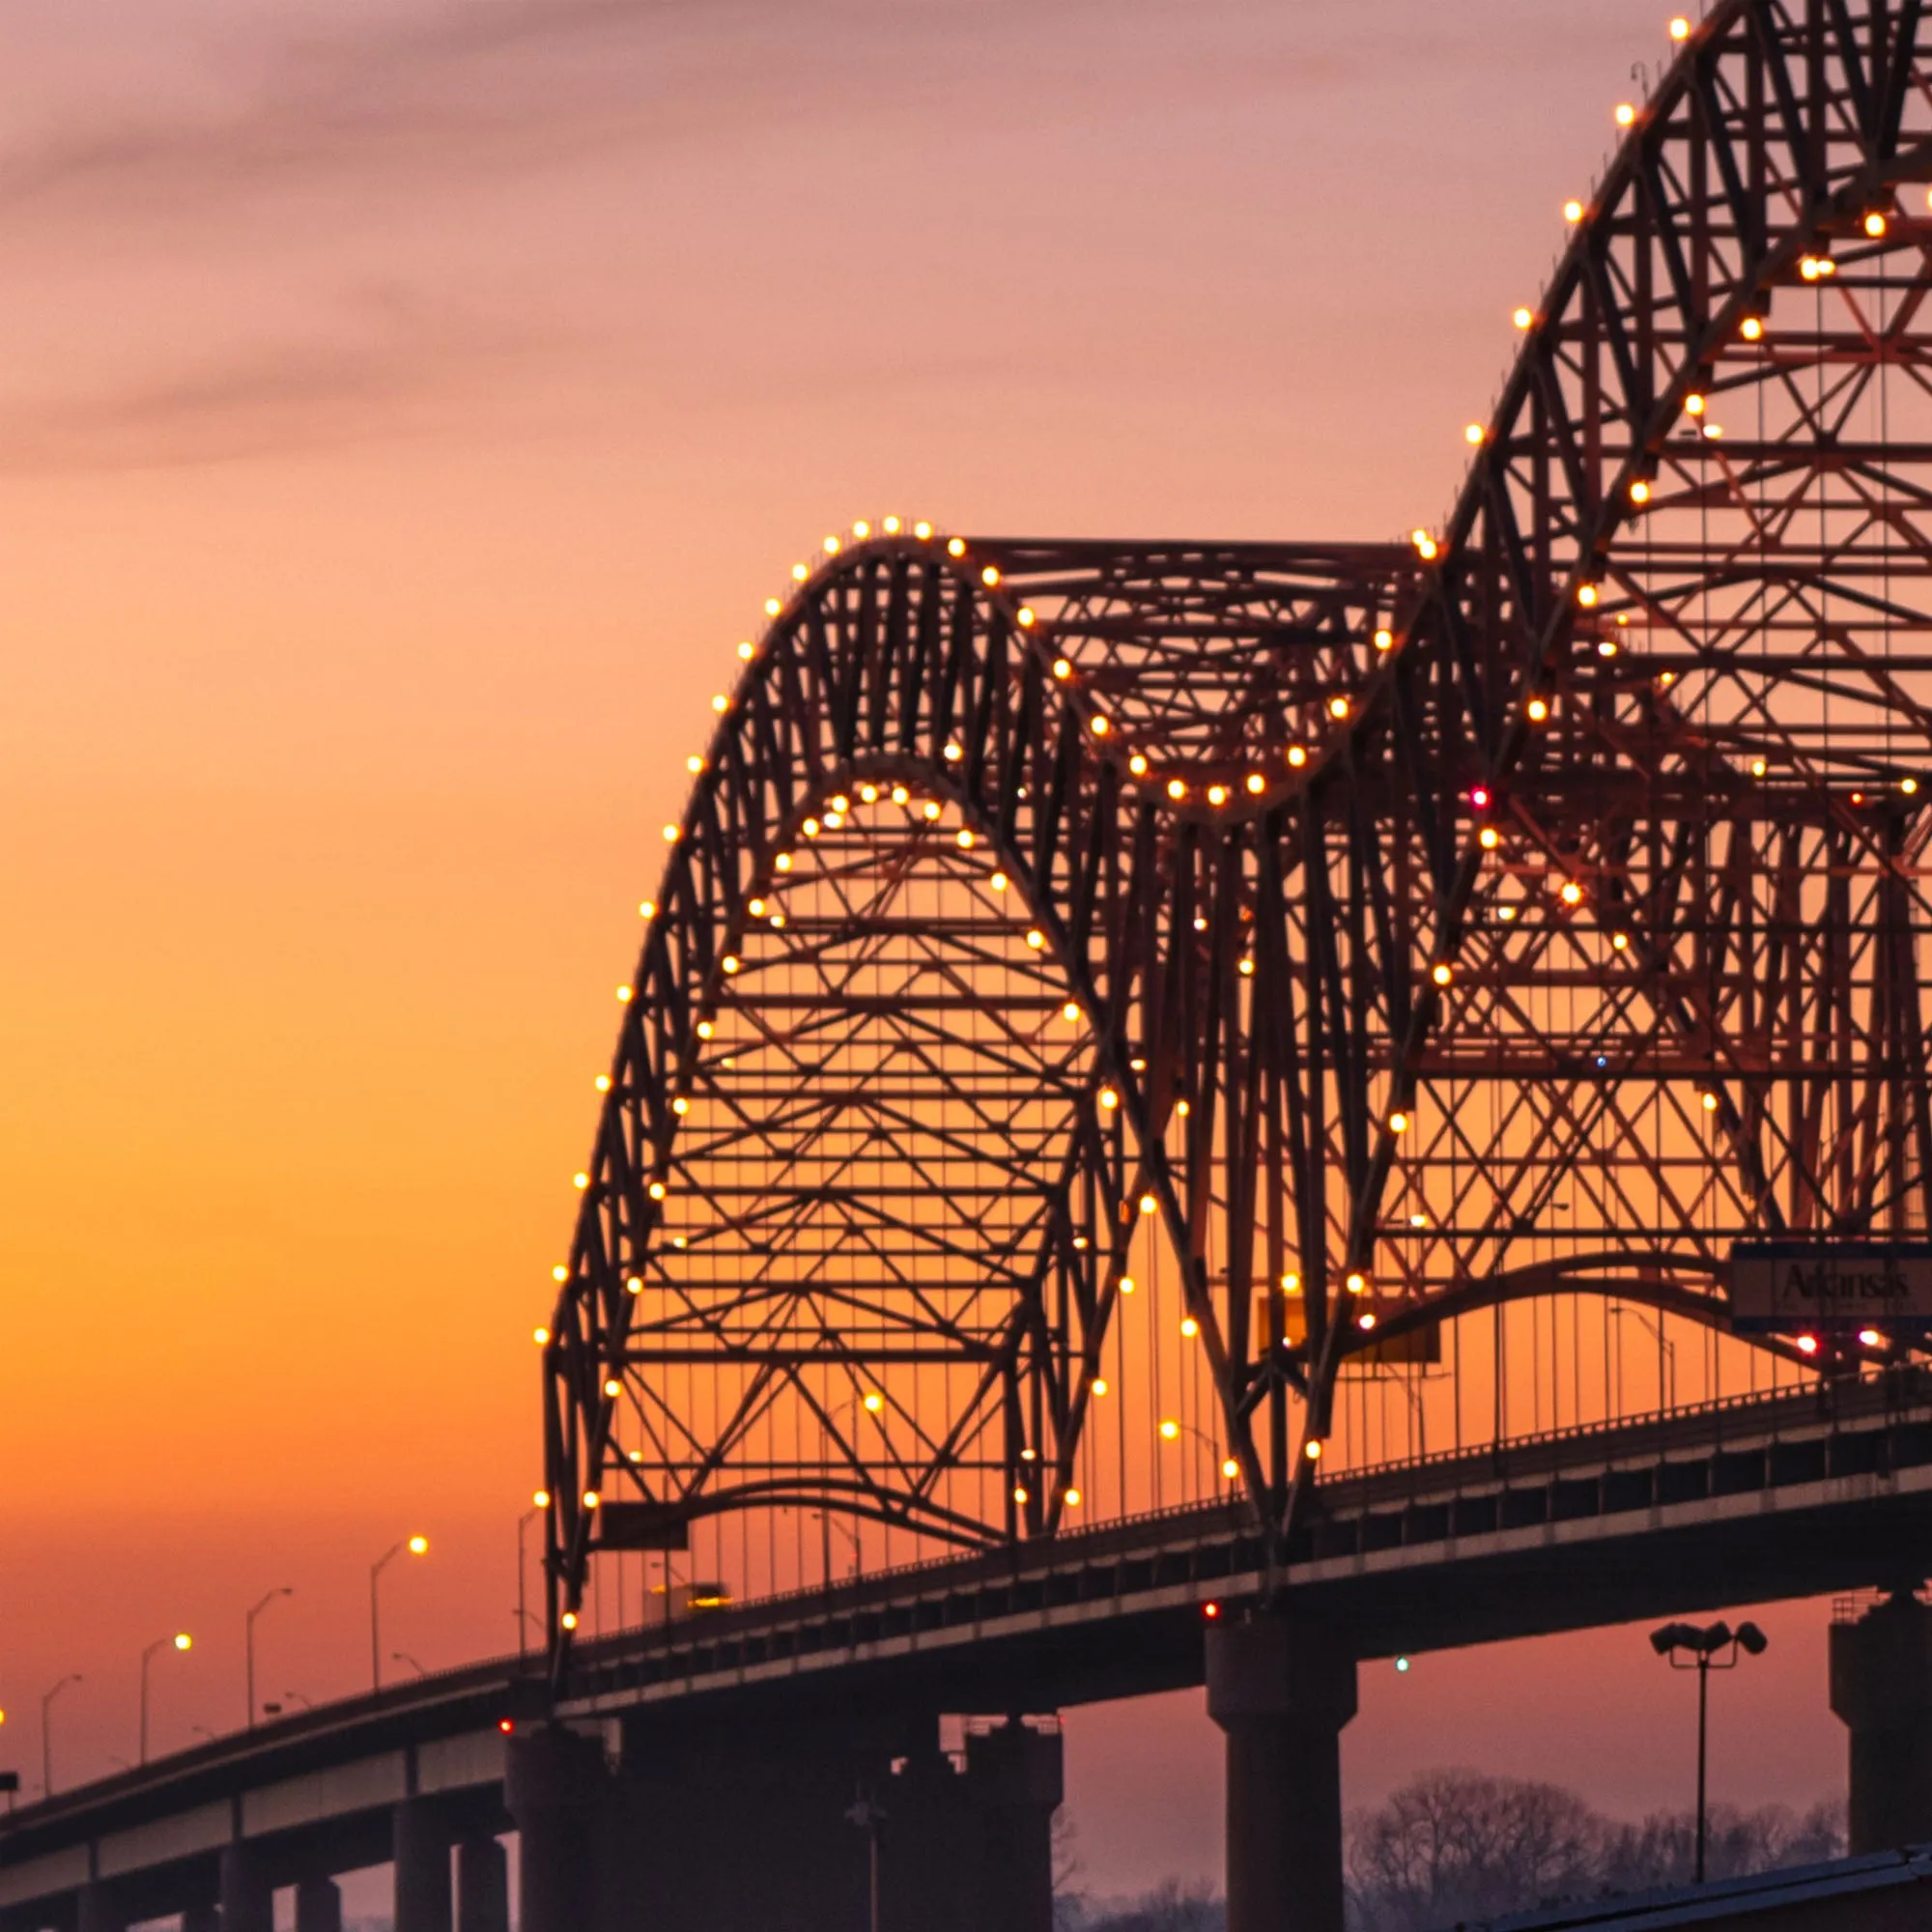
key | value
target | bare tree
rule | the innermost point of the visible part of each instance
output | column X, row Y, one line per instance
column 1457, row 1845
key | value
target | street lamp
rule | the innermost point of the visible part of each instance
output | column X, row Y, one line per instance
column 1703, row 1647
column 403, row 1656
column 416, row 1546
column 47, row 1731
column 538, row 1504
column 181, row 1641
column 287, row 1590
column 1172, row 1431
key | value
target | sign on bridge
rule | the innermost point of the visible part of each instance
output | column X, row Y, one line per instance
column 1789, row 1284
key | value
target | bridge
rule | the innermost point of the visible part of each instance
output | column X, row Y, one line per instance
column 1171, row 1076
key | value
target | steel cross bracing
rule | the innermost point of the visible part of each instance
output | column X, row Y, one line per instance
column 1118, row 1015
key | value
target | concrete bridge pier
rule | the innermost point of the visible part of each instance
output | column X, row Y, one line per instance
column 425, row 1899
column 248, row 1892
column 1881, row 1689
column 201, row 1918
column 482, row 1887
column 100, row 1910
column 555, row 1788
column 1016, row 1779
column 318, row 1906
column 1282, row 1690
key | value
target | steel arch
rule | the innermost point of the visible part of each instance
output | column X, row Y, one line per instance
column 1566, row 863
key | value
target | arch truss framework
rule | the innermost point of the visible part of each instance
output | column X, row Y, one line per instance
column 1111, row 1006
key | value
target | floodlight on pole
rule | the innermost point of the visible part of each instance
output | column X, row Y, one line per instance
column 1703, row 1644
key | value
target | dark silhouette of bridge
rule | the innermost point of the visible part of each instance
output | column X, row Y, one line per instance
column 1186, row 1112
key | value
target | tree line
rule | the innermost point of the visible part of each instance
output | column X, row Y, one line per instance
column 1460, row 1847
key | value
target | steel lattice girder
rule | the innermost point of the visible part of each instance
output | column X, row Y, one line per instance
column 1567, row 862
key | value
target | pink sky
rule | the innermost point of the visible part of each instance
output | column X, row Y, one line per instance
column 404, row 408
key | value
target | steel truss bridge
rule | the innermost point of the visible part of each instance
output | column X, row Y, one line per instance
column 1136, row 1024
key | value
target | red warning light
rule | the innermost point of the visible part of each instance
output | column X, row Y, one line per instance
column 1807, row 1345
column 1479, row 796
column 506, row 1725
column 1211, row 1611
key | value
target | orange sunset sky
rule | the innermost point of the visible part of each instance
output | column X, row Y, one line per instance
column 405, row 406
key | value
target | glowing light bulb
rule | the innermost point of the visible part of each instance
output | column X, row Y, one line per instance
column 657, row 1190
column 1100, row 1385
column 1357, row 1284
column 956, row 546
column 1807, row 1345
column 1149, row 1204
column 1626, row 113
column 1709, row 1101
column 1693, row 404
column 1522, row 318
column 1383, row 639
column 1365, row 1320
column 1424, row 545
column 923, row 532
column 1441, row 973
column 1255, row 784
column 1230, row 1469
column 559, row 1272
column 1489, row 838
column 569, row 1620
column 601, row 1082
column 773, row 606
column 1875, row 224
column 1752, row 328
column 1909, row 787
column 1175, row 790
column 612, row 1387
column 1586, row 596
column 1170, row 1431
column 1472, row 432
column 1062, row 668
column 931, row 810
column 1757, row 768
column 1312, row 1449
column 874, row 1401
column 680, row 1106
column 1035, row 938
column 998, row 882
column 1680, row 28
column 964, row 838
column 419, row 1547
column 1024, row 616
column 1397, row 1123
column 1127, row 1282
column 1338, row 707
column 1572, row 892
column 990, row 576
column 1100, row 726
column 745, row 649
column 1189, row 1326
column 1109, row 1098
column 1296, row 756
column 862, row 529
column 1217, row 794
column 1639, row 491
column 1538, row 709
column 624, row 995
column 1573, row 210
column 540, row 1336
column 580, row 1179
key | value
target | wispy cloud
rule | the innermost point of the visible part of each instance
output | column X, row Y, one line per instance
column 395, row 365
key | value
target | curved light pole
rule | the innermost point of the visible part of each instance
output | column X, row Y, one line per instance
column 416, row 1546
column 538, row 1504
column 249, row 1628
column 403, row 1656
column 1702, row 1645
column 181, row 1641
column 47, row 1731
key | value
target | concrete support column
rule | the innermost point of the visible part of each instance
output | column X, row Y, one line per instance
column 318, row 1906
column 100, row 1911
column 1282, row 1690
column 1881, row 1689
column 424, row 1899
column 201, row 1918
column 247, row 1896
column 928, row 1846
column 555, row 1787
column 482, row 1887
column 1016, row 1778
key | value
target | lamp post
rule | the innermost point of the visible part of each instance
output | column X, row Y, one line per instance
column 1172, row 1431
column 287, row 1590
column 538, row 1504
column 181, row 1641
column 47, row 1731
column 403, row 1656
column 1703, row 1646
column 416, row 1546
